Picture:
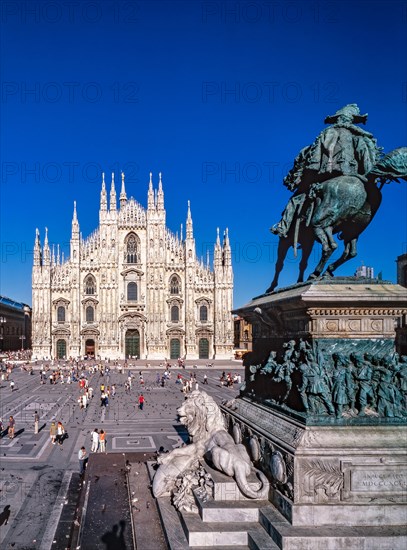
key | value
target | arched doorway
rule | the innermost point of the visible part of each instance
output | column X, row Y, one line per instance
column 61, row 349
column 175, row 348
column 90, row 347
column 132, row 343
column 203, row 348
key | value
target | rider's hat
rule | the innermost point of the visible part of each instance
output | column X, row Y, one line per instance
column 350, row 110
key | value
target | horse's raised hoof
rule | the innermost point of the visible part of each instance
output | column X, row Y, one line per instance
column 313, row 276
column 328, row 275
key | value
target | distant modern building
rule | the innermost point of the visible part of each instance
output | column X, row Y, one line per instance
column 365, row 271
column 15, row 325
column 132, row 288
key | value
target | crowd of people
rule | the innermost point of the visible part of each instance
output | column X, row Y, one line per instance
column 81, row 372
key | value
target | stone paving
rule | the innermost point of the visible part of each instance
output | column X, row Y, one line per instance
column 35, row 475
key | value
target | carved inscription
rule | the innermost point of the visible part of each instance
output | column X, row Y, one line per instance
column 378, row 481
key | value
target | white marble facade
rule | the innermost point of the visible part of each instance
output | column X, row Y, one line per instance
column 132, row 288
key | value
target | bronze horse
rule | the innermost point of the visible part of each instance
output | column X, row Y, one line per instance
column 344, row 205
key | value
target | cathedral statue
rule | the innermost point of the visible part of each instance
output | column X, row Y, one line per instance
column 336, row 183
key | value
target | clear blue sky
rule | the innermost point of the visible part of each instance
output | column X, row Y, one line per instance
column 219, row 96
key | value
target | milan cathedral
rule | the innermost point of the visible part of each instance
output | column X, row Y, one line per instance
column 132, row 288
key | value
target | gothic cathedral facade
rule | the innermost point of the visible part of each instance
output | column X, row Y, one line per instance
column 132, row 288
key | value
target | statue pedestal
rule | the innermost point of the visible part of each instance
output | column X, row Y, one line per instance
column 344, row 314
column 326, row 475
column 326, row 469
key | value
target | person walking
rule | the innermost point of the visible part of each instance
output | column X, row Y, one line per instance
column 36, row 422
column 60, row 434
column 12, row 384
column 205, row 380
column 82, row 457
column 102, row 441
column 53, row 432
column 95, row 440
column 141, row 402
column 11, row 427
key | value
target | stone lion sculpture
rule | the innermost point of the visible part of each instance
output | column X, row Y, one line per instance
column 209, row 441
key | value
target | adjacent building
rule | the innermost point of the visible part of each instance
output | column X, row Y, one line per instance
column 15, row 325
column 243, row 339
column 132, row 288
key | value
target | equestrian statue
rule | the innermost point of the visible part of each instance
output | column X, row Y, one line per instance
column 336, row 184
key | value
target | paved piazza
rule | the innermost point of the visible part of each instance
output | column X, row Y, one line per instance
column 35, row 474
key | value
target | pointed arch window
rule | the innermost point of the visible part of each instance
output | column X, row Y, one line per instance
column 132, row 255
column 90, row 314
column 90, row 285
column 61, row 314
column 175, row 285
column 203, row 313
column 175, row 314
column 132, row 292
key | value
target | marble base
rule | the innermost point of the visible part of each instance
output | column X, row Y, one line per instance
column 326, row 475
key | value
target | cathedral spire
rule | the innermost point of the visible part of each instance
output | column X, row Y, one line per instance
column 53, row 260
column 160, row 193
column 103, row 195
column 37, row 248
column 46, row 250
column 75, row 223
column 123, row 196
column 227, row 253
column 150, row 195
column 181, row 233
column 58, row 256
column 189, row 229
column 113, row 202
column 217, row 257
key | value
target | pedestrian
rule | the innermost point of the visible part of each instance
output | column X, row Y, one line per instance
column 102, row 441
column 53, row 432
column 113, row 390
column 95, row 440
column 205, row 380
column 82, row 457
column 11, row 427
column 12, row 385
column 141, row 402
column 36, row 422
column 60, row 434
